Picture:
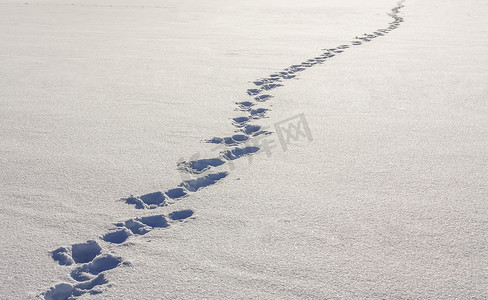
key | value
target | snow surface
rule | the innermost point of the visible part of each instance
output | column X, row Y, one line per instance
column 128, row 170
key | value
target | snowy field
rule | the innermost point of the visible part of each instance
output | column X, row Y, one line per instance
column 230, row 149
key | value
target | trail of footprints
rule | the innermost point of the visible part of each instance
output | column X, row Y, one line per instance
column 87, row 261
column 240, row 143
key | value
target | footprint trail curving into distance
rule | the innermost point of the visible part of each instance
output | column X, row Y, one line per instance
column 246, row 127
column 87, row 263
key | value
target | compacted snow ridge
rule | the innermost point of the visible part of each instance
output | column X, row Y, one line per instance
column 87, row 262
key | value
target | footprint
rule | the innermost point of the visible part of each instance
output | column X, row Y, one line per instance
column 65, row 291
column 236, row 153
column 135, row 201
column 62, row 256
column 99, row 264
column 85, row 252
column 253, row 92
column 244, row 105
column 229, row 141
column 270, row 86
column 176, row 193
column 186, row 186
column 240, row 138
column 215, row 140
column 258, row 113
column 62, row 291
column 135, row 226
column 264, row 81
column 240, row 121
column 181, row 215
column 77, row 253
column 117, row 236
column 143, row 225
column 153, row 199
column 83, row 287
column 288, row 76
column 263, row 98
column 200, row 166
column 157, row 221
column 196, row 184
column 91, row 265
column 297, row 68
column 156, row 198
column 307, row 65
column 251, row 129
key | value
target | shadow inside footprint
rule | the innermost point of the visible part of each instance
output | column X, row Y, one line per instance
column 99, row 264
column 117, row 236
column 62, row 256
column 154, row 221
column 181, row 215
column 135, row 201
column 250, row 129
column 240, row 121
column 194, row 185
column 85, row 252
column 296, row 68
column 65, row 291
column 99, row 280
column 239, row 152
column 151, row 200
column 156, row 198
column 136, row 227
column 270, row 86
column 229, row 141
column 176, row 193
column 244, row 105
column 253, row 92
column 288, row 76
column 240, row 138
column 258, row 113
column 262, row 98
column 61, row 291
column 201, row 165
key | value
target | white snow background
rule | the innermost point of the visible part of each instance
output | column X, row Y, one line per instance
column 99, row 100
